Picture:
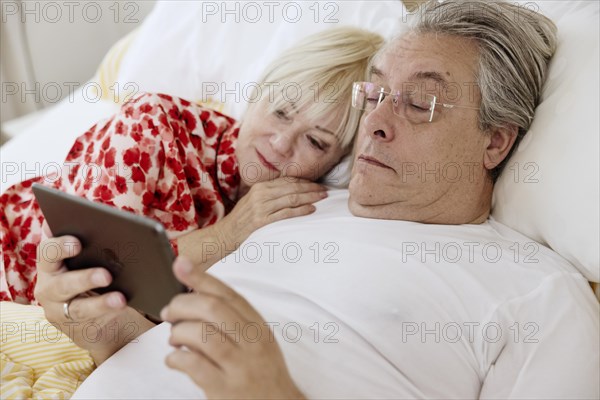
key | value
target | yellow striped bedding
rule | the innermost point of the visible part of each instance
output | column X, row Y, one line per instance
column 37, row 361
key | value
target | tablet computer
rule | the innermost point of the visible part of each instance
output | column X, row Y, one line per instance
column 133, row 248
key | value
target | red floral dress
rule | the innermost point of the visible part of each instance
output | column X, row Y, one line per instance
column 160, row 156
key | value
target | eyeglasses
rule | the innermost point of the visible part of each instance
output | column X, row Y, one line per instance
column 414, row 106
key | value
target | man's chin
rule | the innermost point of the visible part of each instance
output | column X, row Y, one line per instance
column 361, row 200
column 368, row 199
column 368, row 210
column 357, row 209
column 363, row 190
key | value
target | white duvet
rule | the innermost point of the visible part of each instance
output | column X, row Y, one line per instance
column 368, row 308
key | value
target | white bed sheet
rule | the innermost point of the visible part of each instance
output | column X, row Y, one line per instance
column 364, row 284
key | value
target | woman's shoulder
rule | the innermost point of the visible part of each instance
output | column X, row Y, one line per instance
column 206, row 111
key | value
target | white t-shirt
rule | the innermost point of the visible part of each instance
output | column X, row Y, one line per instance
column 366, row 308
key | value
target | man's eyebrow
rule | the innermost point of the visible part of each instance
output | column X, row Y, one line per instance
column 432, row 75
column 421, row 75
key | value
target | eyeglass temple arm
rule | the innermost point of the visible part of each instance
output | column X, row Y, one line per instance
column 456, row 106
column 447, row 106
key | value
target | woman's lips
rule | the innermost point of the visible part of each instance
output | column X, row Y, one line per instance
column 373, row 161
column 264, row 162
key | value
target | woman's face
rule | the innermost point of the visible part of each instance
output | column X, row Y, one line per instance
column 285, row 143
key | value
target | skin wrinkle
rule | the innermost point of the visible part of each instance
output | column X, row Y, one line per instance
column 454, row 139
column 463, row 45
column 418, row 206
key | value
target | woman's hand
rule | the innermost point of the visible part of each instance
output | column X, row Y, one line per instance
column 265, row 203
column 271, row 201
column 210, row 347
column 101, row 324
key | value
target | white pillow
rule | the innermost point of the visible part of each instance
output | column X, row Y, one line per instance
column 198, row 51
column 549, row 190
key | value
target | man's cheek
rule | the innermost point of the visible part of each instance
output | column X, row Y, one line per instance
column 359, row 144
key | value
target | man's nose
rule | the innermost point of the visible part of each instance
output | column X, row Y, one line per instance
column 282, row 143
column 379, row 123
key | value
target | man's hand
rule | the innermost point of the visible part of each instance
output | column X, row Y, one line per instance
column 210, row 347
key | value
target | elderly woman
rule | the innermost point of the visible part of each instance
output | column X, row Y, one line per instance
column 204, row 176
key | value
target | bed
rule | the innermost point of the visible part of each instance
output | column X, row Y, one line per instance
column 549, row 191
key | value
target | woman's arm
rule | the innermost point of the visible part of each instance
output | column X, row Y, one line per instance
column 265, row 203
column 205, row 246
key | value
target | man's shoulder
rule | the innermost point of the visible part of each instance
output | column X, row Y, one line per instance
column 503, row 260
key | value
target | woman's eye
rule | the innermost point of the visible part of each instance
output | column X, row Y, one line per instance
column 315, row 143
column 281, row 115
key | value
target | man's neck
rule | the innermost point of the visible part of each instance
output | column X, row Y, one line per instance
column 472, row 207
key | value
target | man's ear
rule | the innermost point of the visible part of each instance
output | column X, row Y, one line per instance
column 501, row 141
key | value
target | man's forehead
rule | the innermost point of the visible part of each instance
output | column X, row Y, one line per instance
column 438, row 58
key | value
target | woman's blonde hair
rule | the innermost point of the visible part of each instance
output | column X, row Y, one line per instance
column 316, row 76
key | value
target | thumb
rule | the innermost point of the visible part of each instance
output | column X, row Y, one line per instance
column 184, row 271
column 201, row 281
column 46, row 232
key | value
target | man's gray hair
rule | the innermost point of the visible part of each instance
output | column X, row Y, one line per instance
column 515, row 46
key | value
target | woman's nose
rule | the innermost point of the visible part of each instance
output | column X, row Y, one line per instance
column 282, row 143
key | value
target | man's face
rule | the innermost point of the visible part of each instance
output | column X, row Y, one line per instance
column 429, row 171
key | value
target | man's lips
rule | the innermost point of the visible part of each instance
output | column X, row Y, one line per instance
column 264, row 162
column 373, row 161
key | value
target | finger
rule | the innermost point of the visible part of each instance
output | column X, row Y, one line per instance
column 196, row 366
column 296, row 185
column 46, row 232
column 51, row 252
column 202, row 282
column 67, row 285
column 95, row 307
column 286, row 213
column 293, row 200
column 286, row 179
column 203, row 307
column 206, row 338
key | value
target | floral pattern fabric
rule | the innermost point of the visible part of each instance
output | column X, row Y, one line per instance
column 160, row 156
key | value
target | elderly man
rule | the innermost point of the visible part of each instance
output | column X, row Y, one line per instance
column 439, row 300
